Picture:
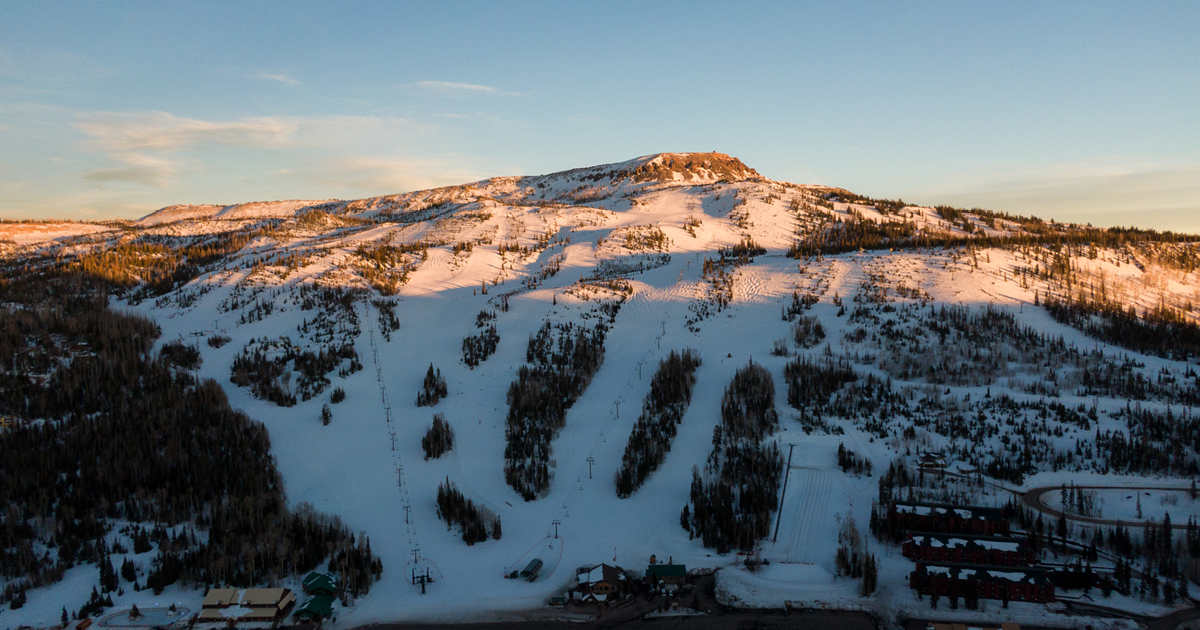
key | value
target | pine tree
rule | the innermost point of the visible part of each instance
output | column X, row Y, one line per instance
column 108, row 575
column 128, row 570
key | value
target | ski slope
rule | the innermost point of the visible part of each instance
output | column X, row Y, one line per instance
column 367, row 465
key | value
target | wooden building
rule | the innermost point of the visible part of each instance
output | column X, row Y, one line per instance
column 601, row 583
column 246, row 604
column 945, row 518
column 1018, row 584
column 968, row 548
column 932, row 461
column 666, row 573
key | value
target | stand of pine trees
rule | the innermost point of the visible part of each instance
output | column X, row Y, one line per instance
column 799, row 305
column 124, row 434
column 650, row 440
column 433, row 389
column 1162, row 332
column 850, row 461
column 852, row 558
column 563, row 358
column 476, row 522
column 266, row 366
column 807, row 331
column 731, row 503
column 837, row 236
column 439, row 439
column 388, row 322
column 477, row 348
column 811, row 383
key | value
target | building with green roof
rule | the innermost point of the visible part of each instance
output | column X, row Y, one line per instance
column 667, row 573
column 317, row 583
column 315, row 608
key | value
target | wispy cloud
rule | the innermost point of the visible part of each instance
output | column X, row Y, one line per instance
column 136, row 168
column 278, row 78
column 117, row 132
column 154, row 148
column 367, row 175
column 451, row 86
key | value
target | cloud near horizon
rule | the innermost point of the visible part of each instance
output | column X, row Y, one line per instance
column 1166, row 196
column 155, row 148
column 366, row 175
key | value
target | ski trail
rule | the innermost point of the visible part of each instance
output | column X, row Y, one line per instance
column 809, row 514
column 410, row 524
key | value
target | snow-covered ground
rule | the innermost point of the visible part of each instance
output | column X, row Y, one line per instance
column 1123, row 505
column 351, row 467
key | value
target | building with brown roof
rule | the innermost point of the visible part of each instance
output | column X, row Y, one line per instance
column 247, row 604
column 1018, row 584
column 601, row 583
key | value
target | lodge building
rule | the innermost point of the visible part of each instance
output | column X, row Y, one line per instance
column 948, row 518
column 967, row 548
column 1020, row 584
column 246, row 604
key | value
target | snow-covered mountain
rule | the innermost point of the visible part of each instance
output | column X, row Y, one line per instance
column 889, row 329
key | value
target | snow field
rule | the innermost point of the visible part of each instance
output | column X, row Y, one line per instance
column 349, row 468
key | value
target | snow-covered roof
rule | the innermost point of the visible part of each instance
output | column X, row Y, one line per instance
column 962, row 511
column 602, row 573
column 959, row 540
column 958, row 571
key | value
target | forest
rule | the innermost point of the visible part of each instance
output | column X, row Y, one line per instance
column 476, row 522
column 732, row 501
column 267, row 366
column 662, row 412
column 1161, row 332
column 562, row 359
column 105, row 430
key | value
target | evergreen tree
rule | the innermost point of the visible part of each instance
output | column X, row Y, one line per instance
column 433, row 389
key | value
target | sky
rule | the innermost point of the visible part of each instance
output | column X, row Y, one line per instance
column 1086, row 112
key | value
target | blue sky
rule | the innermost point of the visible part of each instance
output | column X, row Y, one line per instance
column 1085, row 112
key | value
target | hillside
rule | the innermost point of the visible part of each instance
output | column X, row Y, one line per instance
column 1028, row 352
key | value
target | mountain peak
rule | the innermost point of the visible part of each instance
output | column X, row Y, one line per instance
column 668, row 167
column 699, row 168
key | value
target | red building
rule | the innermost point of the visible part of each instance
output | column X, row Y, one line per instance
column 948, row 518
column 1021, row 584
column 968, row 548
